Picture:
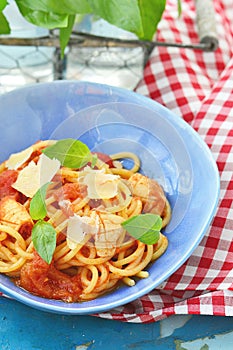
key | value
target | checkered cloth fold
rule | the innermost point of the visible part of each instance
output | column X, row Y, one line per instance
column 197, row 86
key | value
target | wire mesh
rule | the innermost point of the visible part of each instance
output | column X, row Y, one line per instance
column 97, row 52
column 21, row 65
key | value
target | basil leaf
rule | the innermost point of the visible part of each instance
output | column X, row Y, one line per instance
column 179, row 6
column 121, row 13
column 44, row 240
column 144, row 227
column 4, row 25
column 71, row 153
column 45, row 19
column 68, row 7
column 3, row 4
column 140, row 17
column 151, row 13
column 94, row 160
column 37, row 207
column 65, row 34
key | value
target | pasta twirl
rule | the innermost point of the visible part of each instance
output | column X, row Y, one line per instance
column 86, row 206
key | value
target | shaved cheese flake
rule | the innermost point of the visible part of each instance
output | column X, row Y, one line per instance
column 47, row 168
column 34, row 176
column 17, row 159
column 100, row 185
column 28, row 181
column 79, row 226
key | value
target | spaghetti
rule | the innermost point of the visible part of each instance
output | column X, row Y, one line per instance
column 86, row 262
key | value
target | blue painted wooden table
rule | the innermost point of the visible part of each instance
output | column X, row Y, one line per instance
column 24, row 328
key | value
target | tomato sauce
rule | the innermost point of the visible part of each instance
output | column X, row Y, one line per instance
column 105, row 158
column 46, row 281
column 70, row 191
column 26, row 230
column 7, row 178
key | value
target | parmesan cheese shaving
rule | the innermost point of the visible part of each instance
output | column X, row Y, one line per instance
column 27, row 181
column 34, row 176
column 99, row 184
column 17, row 159
column 47, row 168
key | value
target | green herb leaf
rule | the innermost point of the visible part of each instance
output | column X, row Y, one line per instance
column 151, row 13
column 44, row 240
column 140, row 17
column 37, row 205
column 71, row 153
column 4, row 25
column 65, row 34
column 144, row 227
column 121, row 13
column 94, row 160
column 45, row 19
column 68, row 7
column 179, row 6
column 3, row 4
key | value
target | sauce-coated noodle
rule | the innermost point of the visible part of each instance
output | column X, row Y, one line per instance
column 94, row 262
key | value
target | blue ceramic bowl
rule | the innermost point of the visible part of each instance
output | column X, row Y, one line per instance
column 110, row 119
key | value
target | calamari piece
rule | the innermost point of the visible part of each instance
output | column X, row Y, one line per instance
column 106, row 240
column 149, row 191
column 80, row 226
column 15, row 215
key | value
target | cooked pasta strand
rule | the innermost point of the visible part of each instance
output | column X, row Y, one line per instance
column 95, row 254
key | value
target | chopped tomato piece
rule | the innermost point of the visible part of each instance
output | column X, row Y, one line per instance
column 45, row 280
column 70, row 191
column 26, row 229
column 7, row 178
column 105, row 158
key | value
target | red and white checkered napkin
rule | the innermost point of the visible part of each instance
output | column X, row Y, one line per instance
column 198, row 87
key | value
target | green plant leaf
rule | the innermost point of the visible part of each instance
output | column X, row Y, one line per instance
column 37, row 205
column 70, row 152
column 179, row 6
column 44, row 240
column 140, row 17
column 121, row 13
column 3, row 4
column 4, row 25
column 65, row 34
column 151, row 14
column 144, row 227
column 49, row 20
column 94, row 160
column 68, row 7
